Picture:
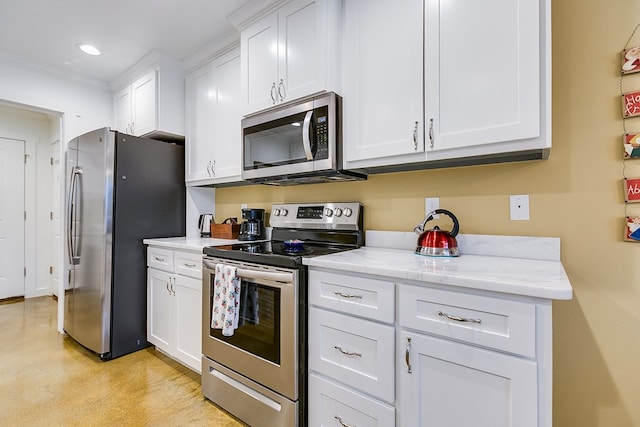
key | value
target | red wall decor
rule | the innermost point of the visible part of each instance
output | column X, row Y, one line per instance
column 631, row 104
column 631, row 60
column 632, row 190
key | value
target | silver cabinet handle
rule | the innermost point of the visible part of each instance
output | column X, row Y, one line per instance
column 133, row 128
column 283, row 93
column 458, row 319
column 407, row 355
column 342, row 423
column 274, row 96
column 213, row 169
column 340, row 294
column 415, row 137
column 190, row 265
column 173, row 282
column 158, row 259
column 347, row 353
column 431, row 132
column 167, row 286
column 306, row 141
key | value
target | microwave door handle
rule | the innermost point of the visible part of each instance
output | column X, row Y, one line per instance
column 306, row 141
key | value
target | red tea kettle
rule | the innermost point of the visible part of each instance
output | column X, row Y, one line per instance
column 436, row 242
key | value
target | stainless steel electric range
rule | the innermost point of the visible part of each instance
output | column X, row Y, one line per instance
column 259, row 371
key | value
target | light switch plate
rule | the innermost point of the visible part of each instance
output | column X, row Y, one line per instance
column 430, row 205
column 519, row 207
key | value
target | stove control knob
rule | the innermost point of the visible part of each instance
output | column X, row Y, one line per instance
column 328, row 212
column 284, row 212
column 276, row 212
column 348, row 212
column 338, row 212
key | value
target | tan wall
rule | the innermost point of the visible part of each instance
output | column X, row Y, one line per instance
column 575, row 195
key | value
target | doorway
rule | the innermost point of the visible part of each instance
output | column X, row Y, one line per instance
column 28, row 138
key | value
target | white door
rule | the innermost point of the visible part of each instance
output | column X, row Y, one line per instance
column 11, row 217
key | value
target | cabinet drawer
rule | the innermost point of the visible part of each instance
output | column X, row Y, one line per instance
column 160, row 258
column 354, row 351
column 334, row 405
column 188, row 264
column 370, row 298
column 492, row 322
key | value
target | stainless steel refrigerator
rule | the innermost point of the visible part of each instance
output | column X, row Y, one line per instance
column 121, row 190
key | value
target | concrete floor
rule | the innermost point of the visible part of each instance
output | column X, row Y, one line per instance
column 47, row 379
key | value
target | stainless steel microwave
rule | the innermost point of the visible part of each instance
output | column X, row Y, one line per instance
column 296, row 144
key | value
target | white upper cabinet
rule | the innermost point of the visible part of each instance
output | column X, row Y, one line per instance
column 149, row 99
column 446, row 83
column 383, row 82
column 213, row 139
column 485, row 79
column 290, row 53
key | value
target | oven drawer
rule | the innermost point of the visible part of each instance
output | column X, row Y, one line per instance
column 160, row 258
column 354, row 295
column 496, row 323
column 188, row 264
column 333, row 405
column 352, row 350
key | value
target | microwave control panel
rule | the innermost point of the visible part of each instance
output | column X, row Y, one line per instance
column 322, row 134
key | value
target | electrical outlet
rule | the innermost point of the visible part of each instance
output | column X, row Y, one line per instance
column 243, row 206
column 431, row 204
column 519, row 207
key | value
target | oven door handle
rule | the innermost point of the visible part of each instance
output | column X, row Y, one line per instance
column 244, row 273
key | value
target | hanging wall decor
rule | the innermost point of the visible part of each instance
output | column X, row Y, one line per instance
column 631, row 104
column 632, row 229
column 631, row 190
column 631, row 60
column 631, row 143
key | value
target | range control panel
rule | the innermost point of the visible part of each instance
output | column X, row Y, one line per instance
column 339, row 215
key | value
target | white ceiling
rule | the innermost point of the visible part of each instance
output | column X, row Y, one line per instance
column 47, row 31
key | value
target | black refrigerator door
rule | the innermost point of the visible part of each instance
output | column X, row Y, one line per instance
column 149, row 202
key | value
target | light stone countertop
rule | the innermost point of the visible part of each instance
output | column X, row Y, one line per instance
column 393, row 257
column 188, row 243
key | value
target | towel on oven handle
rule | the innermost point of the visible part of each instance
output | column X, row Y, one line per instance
column 226, row 299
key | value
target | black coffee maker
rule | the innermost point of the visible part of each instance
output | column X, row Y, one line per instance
column 252, row 228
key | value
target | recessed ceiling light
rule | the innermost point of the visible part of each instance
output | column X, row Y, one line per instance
column 88, row 49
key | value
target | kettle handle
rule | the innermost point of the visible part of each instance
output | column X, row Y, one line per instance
column 200, row 220
column 429, row 217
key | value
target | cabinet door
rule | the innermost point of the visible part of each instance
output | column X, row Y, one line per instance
column 200, row 110
column 227, row 114
column 144, row 118
column 259, row 51
column 160, row 309
column 482, row 71
column 302, row 55
column 122, row 110
column 383, row 90
column 188, row 300
column 451, row 385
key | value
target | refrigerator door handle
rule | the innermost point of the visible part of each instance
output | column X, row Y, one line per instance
column 73, row 187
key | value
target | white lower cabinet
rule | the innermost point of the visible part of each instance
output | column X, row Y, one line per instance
column 444, row 383
column 174, row 304
column 459, row 357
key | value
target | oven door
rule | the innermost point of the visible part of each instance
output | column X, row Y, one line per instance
column 264, row 347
